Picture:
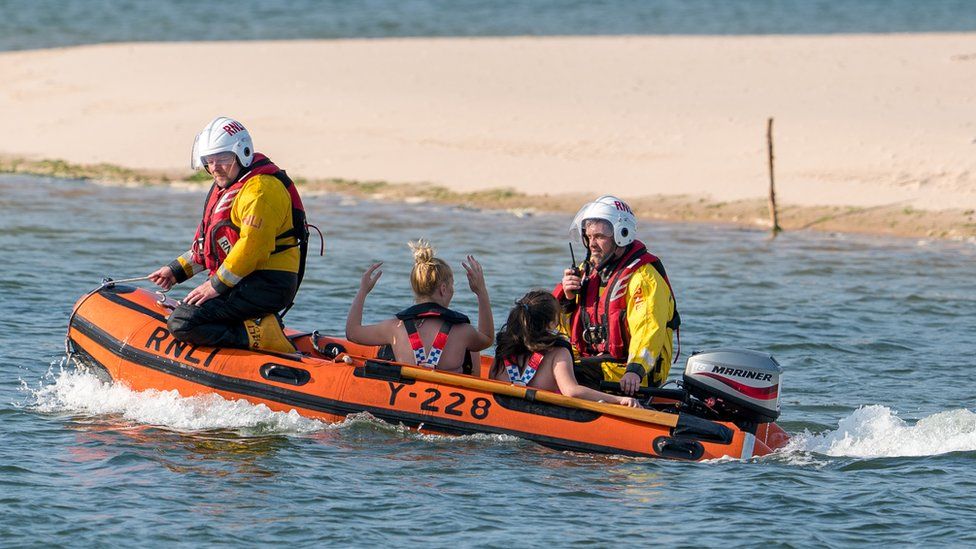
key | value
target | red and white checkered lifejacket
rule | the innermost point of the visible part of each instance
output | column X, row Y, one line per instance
column 429, row 358
column 524, row 375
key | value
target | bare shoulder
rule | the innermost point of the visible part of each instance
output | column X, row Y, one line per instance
column 559, row 354
column 389, row 327
column 468, row 330
column 390, row 322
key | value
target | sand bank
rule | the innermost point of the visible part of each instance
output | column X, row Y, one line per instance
column 879, row 123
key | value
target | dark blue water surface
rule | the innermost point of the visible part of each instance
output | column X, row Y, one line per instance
column 876, row 336
column 26, row 24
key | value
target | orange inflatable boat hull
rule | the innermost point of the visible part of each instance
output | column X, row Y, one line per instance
column 120, row 332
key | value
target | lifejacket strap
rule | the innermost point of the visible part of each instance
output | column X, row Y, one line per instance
column 524, row 376
column 677, row 333
column 422, row 357
column 283, row 247
column 290, row 233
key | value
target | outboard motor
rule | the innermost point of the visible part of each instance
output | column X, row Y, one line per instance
column 736, row 383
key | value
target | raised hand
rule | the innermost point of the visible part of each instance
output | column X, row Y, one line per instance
column 368, row 281
column 476, row 276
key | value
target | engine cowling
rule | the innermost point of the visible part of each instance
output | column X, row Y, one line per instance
column 739, row 384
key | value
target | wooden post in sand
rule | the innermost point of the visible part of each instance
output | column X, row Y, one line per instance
column 773, row 217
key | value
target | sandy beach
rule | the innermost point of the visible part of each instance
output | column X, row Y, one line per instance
column 865, row 125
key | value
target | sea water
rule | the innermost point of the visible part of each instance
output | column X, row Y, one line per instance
column 876, row 337
column 26, row 24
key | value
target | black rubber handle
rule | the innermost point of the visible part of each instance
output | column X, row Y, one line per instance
column 674, row 394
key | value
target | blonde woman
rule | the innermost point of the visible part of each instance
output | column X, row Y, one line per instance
column 429, row 333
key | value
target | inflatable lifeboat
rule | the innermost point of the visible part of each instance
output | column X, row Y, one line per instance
column 726, row 406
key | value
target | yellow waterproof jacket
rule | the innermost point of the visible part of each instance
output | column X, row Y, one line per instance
column 261, row 210
column 650, row 306
column 628, row 317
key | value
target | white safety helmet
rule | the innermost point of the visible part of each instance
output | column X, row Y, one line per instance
column 222, row 134
column 612, row 210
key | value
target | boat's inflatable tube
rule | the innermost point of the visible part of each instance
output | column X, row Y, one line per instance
column 120, row 333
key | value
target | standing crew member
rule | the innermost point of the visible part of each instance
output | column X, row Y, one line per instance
column 252, row 240
column 620, row 309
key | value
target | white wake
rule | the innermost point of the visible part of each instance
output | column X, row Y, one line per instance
column 71, row 391
column 877, row 431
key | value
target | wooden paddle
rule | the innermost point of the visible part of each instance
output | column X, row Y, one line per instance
column 638, row 414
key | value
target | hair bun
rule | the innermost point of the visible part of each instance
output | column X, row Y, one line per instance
column 423, row 253
column 428, row 271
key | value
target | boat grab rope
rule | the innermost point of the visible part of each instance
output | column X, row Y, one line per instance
column 106, row 283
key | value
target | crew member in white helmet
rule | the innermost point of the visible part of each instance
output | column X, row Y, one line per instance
column 619, row 308
column 252, row 240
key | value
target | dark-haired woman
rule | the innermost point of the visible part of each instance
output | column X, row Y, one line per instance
column 531, row 352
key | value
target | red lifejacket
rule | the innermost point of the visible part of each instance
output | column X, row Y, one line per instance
column 217, row 234
column 599, row 326
column 524, row 376
column 432, row 310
